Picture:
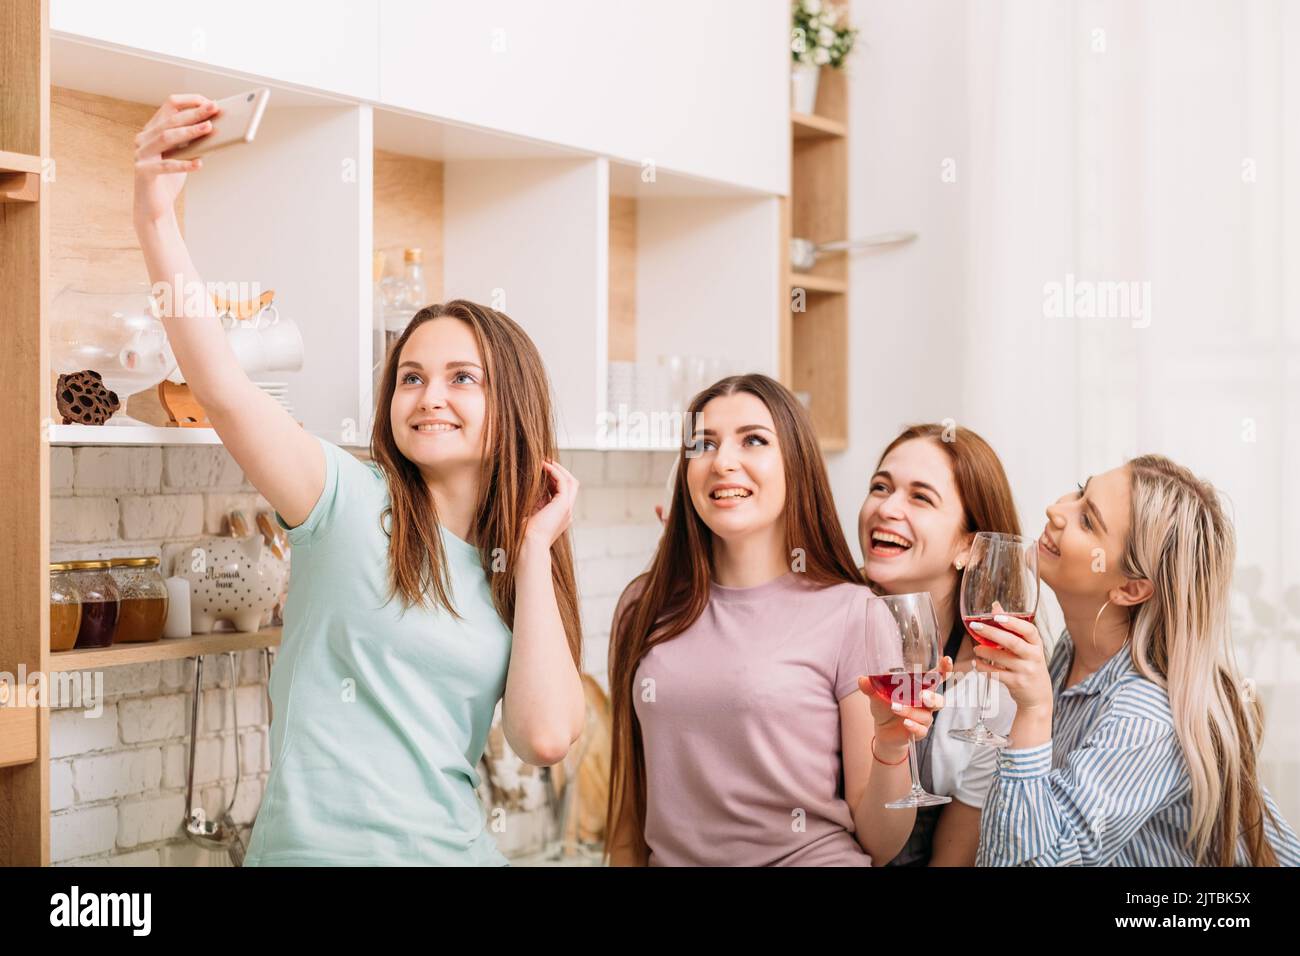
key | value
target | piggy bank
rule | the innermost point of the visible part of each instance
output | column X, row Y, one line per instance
column 231, row 579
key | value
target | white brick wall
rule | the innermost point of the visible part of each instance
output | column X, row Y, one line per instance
column 117, row 782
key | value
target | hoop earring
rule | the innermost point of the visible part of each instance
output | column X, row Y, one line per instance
column 1097, row 621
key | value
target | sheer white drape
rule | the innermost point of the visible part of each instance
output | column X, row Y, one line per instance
column 1156, row 145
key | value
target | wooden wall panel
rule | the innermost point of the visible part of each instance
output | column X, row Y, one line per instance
column 622, row 279
column 408, row 214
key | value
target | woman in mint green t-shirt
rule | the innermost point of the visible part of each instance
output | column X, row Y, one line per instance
column 428, row 583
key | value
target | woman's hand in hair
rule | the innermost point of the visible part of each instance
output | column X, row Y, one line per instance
column 1020, row 661
column 554, row 511
column 897, row 724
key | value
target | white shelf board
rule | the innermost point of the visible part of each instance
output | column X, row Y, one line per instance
column 154, row 435
column 629, row 179
column 131, row 435
column 413, row 134
column 93, row 66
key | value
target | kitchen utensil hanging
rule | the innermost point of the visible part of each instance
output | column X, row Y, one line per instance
column 804, row 253
column 221, row 833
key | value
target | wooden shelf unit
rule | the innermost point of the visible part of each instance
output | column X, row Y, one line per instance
column 168, row 649
column 24, row 369
column 815, row 341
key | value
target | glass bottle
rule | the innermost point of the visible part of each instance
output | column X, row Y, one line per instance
column 409, row 297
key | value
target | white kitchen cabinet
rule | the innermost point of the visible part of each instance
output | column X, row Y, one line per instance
column 706, row 271
column 676, row 82
column 294, row 215
column 329, row 45
column 291, row 213
column 530, row 237
column 528, row 171
column 637, row 80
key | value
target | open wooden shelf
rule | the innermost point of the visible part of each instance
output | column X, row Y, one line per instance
column 815, row 283
column 20, row 187
column 809, row 126
column 19, row 162
column 814, row 332
column 168, row 649
column 20, row 177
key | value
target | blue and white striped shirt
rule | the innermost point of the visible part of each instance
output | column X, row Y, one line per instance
column 1111, row 787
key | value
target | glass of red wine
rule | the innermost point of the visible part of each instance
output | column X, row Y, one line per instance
column 902, row 662
column 1003, row 571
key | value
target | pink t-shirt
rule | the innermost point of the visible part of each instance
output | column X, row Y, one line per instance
column 740, row 723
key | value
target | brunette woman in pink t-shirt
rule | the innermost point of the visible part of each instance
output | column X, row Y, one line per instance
column 740, row 732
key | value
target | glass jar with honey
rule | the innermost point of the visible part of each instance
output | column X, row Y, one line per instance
column 99, row 602
column 144, row 600
column 65, row 608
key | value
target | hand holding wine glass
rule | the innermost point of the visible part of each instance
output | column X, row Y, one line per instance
column 999, row 590
column 897, row 726
column 1018, row 656
column 903, row 674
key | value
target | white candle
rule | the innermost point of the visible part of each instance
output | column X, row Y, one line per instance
column 178, row 608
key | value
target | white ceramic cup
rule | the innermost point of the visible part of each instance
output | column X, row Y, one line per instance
column 282, row 348
column 247, row 346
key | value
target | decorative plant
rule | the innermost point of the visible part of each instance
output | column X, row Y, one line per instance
column 820, row 35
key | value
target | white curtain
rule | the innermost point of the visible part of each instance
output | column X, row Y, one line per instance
column 1154, row 143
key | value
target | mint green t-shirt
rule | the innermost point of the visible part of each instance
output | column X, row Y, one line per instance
column 380, row 717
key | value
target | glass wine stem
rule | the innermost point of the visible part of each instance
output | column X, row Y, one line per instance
column 911, row 764
column 983, row 695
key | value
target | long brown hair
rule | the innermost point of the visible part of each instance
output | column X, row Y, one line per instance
column 519, row 434
column 1181, row 540
column 666, row 600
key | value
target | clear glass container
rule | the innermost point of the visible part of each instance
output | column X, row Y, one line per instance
column 99, row 603
column 118, row 334
column 143, row 596
column 65, row 608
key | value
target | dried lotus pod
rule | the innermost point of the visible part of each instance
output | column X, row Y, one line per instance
column 83, row 399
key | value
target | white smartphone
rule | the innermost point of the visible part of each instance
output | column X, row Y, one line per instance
column 236, row 123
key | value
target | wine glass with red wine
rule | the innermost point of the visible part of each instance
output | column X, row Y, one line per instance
column 1002, row 570
column 902, row 662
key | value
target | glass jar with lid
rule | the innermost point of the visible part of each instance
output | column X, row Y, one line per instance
column 99, row 602
column 65, row 608
column 143, row 595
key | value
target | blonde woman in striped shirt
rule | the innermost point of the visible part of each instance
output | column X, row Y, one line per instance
column 1137, row 745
